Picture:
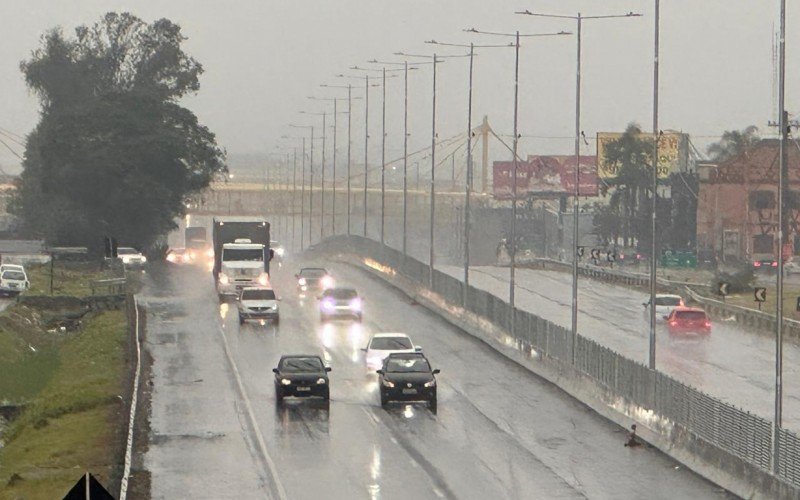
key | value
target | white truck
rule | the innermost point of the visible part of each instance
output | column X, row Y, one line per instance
column 241, row 265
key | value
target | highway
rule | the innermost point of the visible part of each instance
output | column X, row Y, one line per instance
column 732, row 363
column 500, row 432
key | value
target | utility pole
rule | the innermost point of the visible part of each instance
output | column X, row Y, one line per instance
column 654, row 246
column 405, row 159
column 383, row 162
column 303, row 199
column 322, row 182
column 349, row 123
column 366, row 147
column 513, row 251
column 294, row 195
column 333, row 176
column 433, row 175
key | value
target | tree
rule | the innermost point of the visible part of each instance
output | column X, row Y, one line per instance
column 113, row 152
column 732, row 143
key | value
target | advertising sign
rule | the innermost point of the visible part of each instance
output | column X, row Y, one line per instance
column 671, row 153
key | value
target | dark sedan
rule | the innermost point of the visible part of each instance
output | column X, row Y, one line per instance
column 407, row 377
column 301, row 376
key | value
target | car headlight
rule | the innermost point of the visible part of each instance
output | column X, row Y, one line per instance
column 355, row 304
column 327, row 282
column 432, row 383
column 143, row 259
column 328, row 305
column 210, row 253
column 301, row 282
column 223, row 278
column 279, row 251
column 263, row 280
column 321, row 380
column 388, row 383
column 172, row 257
column 126, row 260
column 286, row 381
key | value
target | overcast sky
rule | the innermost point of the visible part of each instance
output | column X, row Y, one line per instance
column 262, row 58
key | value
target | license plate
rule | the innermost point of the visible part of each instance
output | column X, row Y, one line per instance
column 409, row 391
column 301, row 389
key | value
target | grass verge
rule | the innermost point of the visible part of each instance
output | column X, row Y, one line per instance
column 69, row 422
column 69, row 278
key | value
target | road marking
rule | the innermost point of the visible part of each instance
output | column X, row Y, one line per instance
column 251, row 415
column 123, row 487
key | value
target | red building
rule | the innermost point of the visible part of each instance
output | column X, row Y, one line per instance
column 737, row 206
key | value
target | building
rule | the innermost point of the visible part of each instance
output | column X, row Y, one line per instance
column 737, row 208
column 551, row 176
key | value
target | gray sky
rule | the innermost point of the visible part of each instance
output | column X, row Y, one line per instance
column 263, row 57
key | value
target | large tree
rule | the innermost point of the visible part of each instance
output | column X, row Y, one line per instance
column 732, row 143
column 113, row 153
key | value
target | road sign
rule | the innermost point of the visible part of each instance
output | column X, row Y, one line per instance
column 723, row 288
column 611, row 256
column 581, row 251
column 760, row 294
column 88, row 488
column 595, row 253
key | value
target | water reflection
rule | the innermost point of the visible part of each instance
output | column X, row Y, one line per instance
column 374, row 489
column 223, row 310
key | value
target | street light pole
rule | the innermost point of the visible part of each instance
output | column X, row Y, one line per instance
column 366, row 147
column 349, row 123
column 294, row 196
column 383, row 162
column 333, row 175
column 433, row 174
column 513, row 252
column 783, row 172
column 405, row 158
column 576, row 201
column 303, row 198
column 468, row 193
column 654, row 246
column 322, row 182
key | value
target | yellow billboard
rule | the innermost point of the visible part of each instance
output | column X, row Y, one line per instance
column 671, row 153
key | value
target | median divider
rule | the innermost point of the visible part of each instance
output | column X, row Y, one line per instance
column 728, row 445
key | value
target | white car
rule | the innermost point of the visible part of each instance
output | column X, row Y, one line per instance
column 258, row 303
column 131, row 257
column 13, row 282
column 665, row 303
column 11, row 267
column 381, row 345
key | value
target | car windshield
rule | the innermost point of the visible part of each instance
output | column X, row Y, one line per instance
column 300, row 365
column 668, row 301
column 258, row 295
column 408, row 365
column 126, row 251
column 341, row 294
column 690, row 315
column 13, row 275
column 313, row 273
column 239, row 255
column 390, row 343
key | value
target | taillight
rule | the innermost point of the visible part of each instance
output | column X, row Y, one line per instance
column 708, row 324
column 673, row 323
column 756, row 264
column 775, row 264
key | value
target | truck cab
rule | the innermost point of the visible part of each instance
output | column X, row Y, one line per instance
column 241, row 265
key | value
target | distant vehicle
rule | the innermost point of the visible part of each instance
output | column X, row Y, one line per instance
column 768, row 264
column 313, row 278
column 407, row 377
column 195, row 238
column 688, row 319
column 790, row 267
column 180, row 256
column 258, row 303
column 131, row 257
column 278, row 249
column 301, row 375
column 13, row 282
column 665, row 303
column 227, row 230
column 381, row 345
column 241, row 266
column 340, row 302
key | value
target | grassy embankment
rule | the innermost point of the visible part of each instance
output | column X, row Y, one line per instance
column 69, row 384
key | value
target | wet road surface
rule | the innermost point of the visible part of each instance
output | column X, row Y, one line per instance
column 732, row 363
column 499, row 432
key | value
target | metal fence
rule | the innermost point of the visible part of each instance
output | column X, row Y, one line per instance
column 739, row 432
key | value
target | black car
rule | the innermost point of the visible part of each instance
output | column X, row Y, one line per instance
column 301, row 375
column 313, row 278
column 407, row 377
column 340, row 302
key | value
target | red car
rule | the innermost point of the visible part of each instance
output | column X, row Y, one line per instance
column 688, row 319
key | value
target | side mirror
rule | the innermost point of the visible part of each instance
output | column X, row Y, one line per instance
column 328, row 368
column 418, row 348
column 437, row 371
column 666, row 316
column 364, row 349
column 644, row 304
column 274, row 370
column 379, row 372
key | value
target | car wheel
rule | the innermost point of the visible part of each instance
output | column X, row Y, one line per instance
column 326, row 395
column 384, row 399
column 432, row 403
column 278, row 396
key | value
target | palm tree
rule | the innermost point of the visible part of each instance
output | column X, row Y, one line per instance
column 732, row 143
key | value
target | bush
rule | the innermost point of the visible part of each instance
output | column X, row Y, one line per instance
column 740, row 281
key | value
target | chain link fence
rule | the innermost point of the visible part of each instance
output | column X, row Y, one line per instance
column 739, row 432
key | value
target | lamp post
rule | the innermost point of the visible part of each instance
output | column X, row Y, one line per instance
column 576, row 202
column 468, row 186
column 515, row 163
column 310, row 185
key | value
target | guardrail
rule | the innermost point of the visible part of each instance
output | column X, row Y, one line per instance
column 710, row 426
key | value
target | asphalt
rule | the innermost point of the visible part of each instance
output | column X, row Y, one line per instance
column 500, row 432
column 734, row 363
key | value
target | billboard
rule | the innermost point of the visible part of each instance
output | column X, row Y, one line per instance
column 545, row 176
column 672, row 153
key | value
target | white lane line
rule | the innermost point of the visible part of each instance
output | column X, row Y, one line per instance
column 123, row 487
column 251, row 415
